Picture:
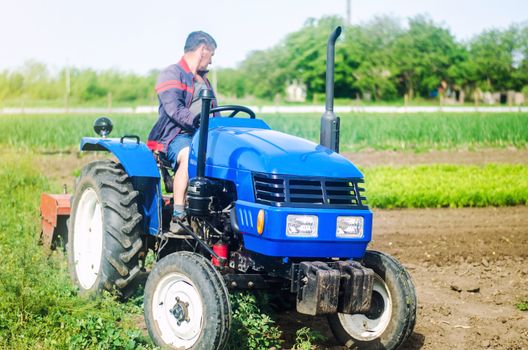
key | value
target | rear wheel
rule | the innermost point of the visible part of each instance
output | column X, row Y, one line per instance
column 187, row 303
column 390, row 320
column 104, row 230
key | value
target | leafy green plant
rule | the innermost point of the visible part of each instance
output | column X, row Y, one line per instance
column 431, row 186
column 522, row 305
column 251, row 327
column 306, row 337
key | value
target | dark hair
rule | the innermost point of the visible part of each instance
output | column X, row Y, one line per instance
column 195, row 39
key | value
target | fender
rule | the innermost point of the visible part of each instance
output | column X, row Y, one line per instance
column 141, row 167
column 135, row 157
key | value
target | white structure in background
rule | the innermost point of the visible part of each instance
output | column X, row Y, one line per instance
column 296, row 92
column 517, row 99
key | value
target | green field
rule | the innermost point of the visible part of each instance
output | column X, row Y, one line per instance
column 39, row 308
column 414, row 132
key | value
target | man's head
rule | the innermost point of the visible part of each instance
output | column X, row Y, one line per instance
column 200, row 47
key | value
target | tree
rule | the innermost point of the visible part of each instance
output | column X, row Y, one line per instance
column 423, row 55
column 492, row 56
column 370, row 56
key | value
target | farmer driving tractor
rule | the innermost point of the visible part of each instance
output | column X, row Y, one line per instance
column 178, row 88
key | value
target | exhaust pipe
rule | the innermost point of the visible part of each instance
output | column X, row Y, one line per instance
column 201, row 190
column 206, row 95
column 329, row 121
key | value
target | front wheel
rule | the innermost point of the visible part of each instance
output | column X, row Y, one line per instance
column 187, row 303
column 390, row 320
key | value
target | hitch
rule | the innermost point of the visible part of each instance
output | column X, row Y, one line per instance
column 327, row 288
column 54, row 212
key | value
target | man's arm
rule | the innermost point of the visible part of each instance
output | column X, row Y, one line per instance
column 171, row 95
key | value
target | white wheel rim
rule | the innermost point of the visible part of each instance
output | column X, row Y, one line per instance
column 362, row 328
column 88, row 238
column 174, row 293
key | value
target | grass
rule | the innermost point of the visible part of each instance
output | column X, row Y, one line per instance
column 412, row 132
column 431, row 186
column 39, row 308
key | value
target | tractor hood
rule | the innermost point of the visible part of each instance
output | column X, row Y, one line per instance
column 267, row 151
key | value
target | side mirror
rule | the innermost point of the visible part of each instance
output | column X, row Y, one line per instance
column 103, row 126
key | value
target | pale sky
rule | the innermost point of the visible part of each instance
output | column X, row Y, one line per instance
column 134, row 35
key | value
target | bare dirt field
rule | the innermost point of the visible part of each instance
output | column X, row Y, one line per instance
column 469, row 266
column 369, row 158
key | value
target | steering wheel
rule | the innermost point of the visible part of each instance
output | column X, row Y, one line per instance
column 234, row 108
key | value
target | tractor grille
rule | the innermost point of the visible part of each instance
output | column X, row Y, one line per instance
column 294, row 191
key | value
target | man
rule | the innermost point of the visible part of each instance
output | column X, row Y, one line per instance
column 178, row 89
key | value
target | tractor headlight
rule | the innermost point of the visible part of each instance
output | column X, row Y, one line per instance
column 301, row 225
column 349, row 227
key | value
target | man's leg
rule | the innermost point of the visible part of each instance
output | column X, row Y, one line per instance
column 181, row 179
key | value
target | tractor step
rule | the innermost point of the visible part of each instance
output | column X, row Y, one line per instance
column 327, row 288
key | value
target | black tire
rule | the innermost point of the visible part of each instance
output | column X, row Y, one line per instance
column 403, row 312
column 192, row 277
column 108, row 186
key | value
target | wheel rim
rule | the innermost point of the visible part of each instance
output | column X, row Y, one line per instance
column 177, row 310
column 366, row 327
column 88, row 238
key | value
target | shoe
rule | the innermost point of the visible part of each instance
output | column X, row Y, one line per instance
column 178, row 215
column 176, row 229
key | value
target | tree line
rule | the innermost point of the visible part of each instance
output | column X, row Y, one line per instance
column 387, row 60
column 381, row 58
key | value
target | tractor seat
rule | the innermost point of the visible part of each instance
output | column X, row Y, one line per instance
column 161, row 157
column 163, row 164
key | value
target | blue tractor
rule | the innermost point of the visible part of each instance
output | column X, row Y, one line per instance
column 266, row 210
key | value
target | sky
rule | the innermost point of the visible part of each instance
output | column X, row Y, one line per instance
column 137, row 36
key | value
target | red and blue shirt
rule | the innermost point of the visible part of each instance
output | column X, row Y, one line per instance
column 175, row 88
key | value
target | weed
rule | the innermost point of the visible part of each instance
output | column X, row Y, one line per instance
column 305, row 338
column 251, row 327
column 522, row 305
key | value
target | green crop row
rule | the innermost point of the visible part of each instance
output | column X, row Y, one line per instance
column 416, row 131
column 432, row 186
column 377, row 131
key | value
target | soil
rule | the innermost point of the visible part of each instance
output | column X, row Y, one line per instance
column 369, row 158
column 469, row 266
